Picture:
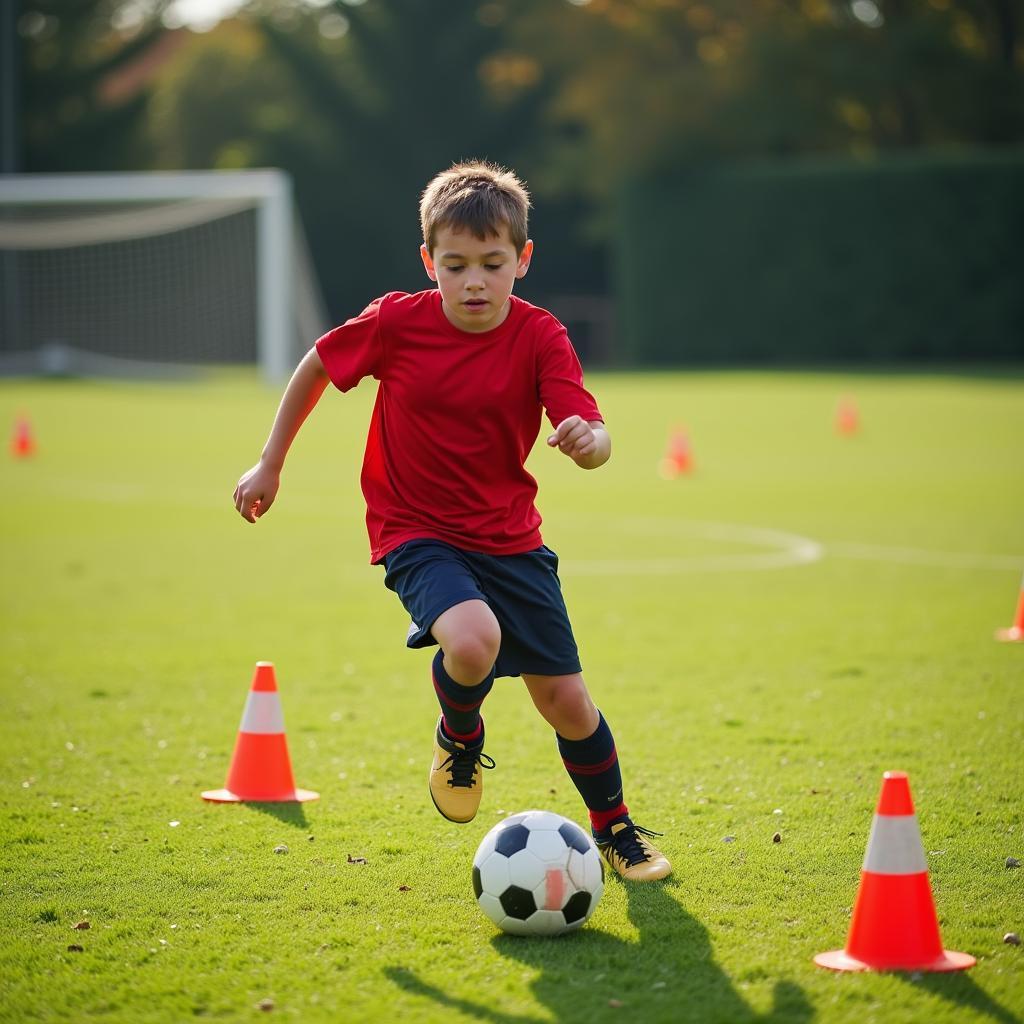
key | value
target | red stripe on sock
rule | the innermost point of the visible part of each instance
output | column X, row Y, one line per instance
column 591, row 769
column 445, row 699
column 463, row 737
column 600, row 820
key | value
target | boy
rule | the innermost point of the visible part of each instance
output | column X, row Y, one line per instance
column 465, row 370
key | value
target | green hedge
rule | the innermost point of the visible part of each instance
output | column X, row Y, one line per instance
column 902, row 258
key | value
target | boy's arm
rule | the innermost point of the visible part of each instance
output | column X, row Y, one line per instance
column 588, row 444
column 258, row 487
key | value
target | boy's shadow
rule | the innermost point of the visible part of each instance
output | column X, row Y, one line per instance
column 667, row 975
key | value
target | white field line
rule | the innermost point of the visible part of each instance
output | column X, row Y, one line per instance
column 786, row 550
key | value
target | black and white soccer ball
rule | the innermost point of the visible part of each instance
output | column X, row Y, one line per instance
column 537, row 873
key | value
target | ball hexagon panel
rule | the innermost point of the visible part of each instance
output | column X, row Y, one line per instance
column 486, row 847
column 586, row 870
column 494, row 876
column 547, row 845
column 492, row 907
column 546, row 922
column 518, row 903
column 514, row 926
column 575, row 837
column 525, row 870
column 577, row 907
column 512, row 839
column 543, row 820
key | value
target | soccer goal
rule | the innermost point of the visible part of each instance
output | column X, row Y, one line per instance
column 152, row 272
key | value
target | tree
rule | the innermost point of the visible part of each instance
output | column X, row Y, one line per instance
column 72, row 52
column 363, row 104
column 653, row 84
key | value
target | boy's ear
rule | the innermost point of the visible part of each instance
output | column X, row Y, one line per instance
column 428, row 263
column 524, row 259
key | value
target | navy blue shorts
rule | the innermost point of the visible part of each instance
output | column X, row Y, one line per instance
column 523, row 591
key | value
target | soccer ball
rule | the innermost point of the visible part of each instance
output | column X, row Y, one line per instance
column 537, row 873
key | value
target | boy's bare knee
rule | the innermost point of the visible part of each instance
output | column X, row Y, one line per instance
column 470, row 656
column 572, row 703
column 566, row 705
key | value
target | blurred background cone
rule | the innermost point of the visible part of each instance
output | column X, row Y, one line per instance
column 847, row 417
column 23, row 442
column 261, row 770
column 678, row 455
column 894, row 925
column 1015, row 634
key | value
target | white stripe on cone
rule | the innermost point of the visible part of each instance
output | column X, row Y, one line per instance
column 262, row 713
column 895, row 847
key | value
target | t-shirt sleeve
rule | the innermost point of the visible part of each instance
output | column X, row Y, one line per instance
column 560, row 379
column 355, row 349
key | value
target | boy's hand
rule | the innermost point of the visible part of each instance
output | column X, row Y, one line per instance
column 587, row 444
column 256, row 491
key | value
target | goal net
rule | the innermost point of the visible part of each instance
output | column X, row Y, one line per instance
column 153, row 273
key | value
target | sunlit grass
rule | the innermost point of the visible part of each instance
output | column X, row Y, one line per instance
column 746, row 698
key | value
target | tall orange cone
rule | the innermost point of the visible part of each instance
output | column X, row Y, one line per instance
column 261, row 770
column 894, row 926
column 1014, row 634
column 847, row 417
column 23, row 442
column 678, row 456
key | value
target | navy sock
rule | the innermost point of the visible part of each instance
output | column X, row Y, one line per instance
column 593, row 766
column 460, row 705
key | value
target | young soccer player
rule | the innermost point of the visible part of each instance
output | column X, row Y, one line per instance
column 465, row 371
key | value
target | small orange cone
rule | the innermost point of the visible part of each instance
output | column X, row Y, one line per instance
column 261, row 770
column 894, row 926
column 1014, row 634
column 23, row 442
column 847, row 417
column 678, row 457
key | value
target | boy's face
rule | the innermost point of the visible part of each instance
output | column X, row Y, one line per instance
column 475, row 276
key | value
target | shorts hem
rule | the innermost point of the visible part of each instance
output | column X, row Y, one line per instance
column 423, row 637
column 535, row 669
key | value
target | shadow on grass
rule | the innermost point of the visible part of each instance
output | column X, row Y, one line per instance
column 961, row 989
column 289, row 813
column 667, row 975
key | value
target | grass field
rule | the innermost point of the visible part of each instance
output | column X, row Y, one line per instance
column 766, row 637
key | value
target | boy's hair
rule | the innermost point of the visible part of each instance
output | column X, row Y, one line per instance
column 476, row 195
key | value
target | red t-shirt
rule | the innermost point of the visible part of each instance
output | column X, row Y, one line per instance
column 455, row 418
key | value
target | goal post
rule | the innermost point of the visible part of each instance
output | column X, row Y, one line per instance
column 158, row 268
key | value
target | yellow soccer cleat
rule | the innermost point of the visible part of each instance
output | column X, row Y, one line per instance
column 456, row 782
column 626, row 849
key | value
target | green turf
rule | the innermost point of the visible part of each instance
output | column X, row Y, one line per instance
column 745, row 700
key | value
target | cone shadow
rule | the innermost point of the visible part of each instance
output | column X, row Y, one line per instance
column 290, row 813
column 964, row 991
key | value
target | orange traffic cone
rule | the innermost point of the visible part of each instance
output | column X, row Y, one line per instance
column 847, row 417
column 678, row 457
column 894, row 927
column 23, row 443
column 1015, row 634
column 260, row 768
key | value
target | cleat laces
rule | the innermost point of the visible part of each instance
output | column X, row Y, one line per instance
column 463, row 766
column 627, row 844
